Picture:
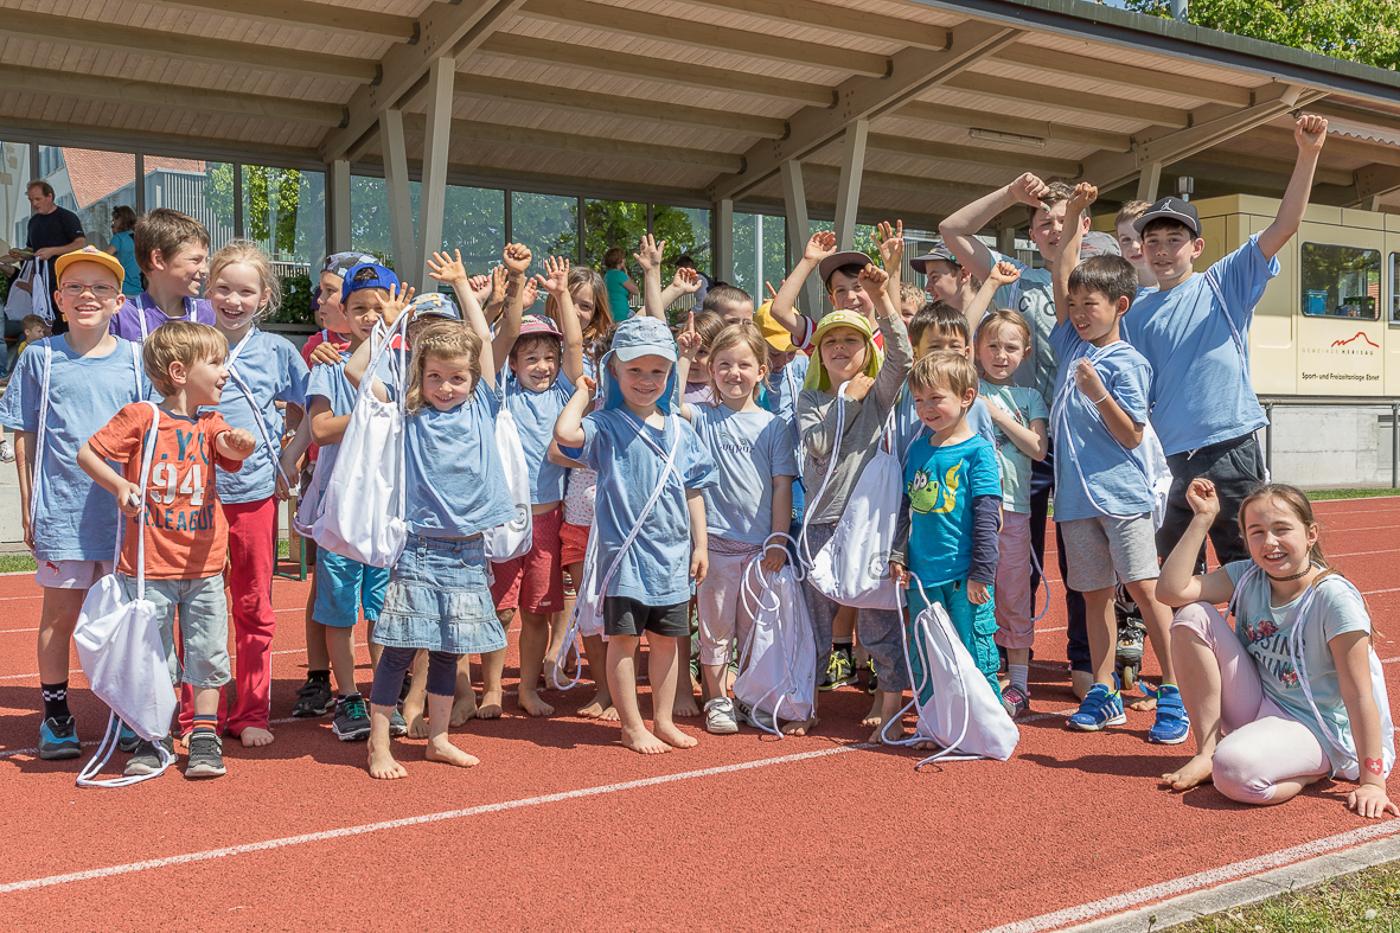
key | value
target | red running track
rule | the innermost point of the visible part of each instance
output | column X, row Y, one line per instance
column 561, row 826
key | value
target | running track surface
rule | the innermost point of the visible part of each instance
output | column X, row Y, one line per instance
column 560, row 825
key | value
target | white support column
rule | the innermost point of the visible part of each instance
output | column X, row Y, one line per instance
column 338, row 206
column 441, row 75
column 396, row 186
column 723, row 213
column 1149, row 181
column 848, row 188
column 795, row 212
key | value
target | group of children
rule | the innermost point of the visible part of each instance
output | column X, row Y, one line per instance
column 663, row 465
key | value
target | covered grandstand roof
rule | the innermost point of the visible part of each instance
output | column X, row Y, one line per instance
column 696, row 100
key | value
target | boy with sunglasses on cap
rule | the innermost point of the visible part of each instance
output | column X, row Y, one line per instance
column 63, row 390
column 1193, row 329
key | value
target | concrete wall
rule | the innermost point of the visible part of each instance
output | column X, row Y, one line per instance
column 1331, row 447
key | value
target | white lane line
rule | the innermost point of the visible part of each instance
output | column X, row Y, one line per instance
column 1202, row 879
column 439, row 817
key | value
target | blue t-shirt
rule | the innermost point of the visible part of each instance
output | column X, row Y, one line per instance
column 74, row 518
column 125, row 245
column 535, row 414
column 127, row 321
column 748, row 448
column 456, row 484
column 1115, row 477
column 274, row 372
column 1264, row 629
column 629, row 456
column 779, row 392
column 908, row 428
column 1199, row 351
column 940, row 484
column 1033, row 295
column 1025, row 405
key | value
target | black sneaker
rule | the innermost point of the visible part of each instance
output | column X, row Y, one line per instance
column 206, row 756
column 314, row 699
column 351, row 723
column 58, row 739
column 146, row 759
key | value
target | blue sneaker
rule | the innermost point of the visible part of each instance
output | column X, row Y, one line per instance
column 127, row 740
column 1100, row 708
column 1172, row 725
column 58, row 739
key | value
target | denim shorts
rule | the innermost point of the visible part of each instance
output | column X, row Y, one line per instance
column 203, row 612
column 439, row 598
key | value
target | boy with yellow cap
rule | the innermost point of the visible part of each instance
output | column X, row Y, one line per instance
column 63, row 390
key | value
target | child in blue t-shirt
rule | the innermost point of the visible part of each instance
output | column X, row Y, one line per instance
column 649, row 518
column 62, row 391
column 438, row 599
column 947, row 533
column 755, row 455
column 1103, row 498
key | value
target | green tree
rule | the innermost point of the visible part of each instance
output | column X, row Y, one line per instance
column 1366, row 31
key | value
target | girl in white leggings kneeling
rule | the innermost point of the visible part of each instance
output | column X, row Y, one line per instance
column 1293, row 693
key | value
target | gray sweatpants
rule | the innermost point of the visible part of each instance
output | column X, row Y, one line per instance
column 879, row 629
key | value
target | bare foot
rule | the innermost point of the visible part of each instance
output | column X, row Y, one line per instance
column 600, row 707
column 417, row 727
column 382, row 765
column 1192, row 774
column 442, row 750
column 530, row 702
column 801, row 728
column 490, row 707
column 253, row 737
column 463, row 708
column 685, row 706
column 1144, row 705
column 896, row 731
column 874, row 717
column 675, row 737
column 609, row 715
column 643, row 742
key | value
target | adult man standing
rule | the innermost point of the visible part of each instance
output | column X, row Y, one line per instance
column 53, row 230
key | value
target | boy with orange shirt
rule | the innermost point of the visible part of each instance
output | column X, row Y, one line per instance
column 186, row 533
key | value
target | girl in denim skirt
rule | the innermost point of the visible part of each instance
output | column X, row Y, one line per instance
column 439, row 598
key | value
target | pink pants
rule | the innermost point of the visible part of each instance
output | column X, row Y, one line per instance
column 1013, row 582
column 1263, row 745
column 251, row 556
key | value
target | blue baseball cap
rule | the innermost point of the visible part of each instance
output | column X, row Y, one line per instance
column 643, row 336
column 367, row 275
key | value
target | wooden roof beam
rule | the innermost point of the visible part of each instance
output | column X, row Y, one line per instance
column 1033, row 130
column 840, row 18
column 1147, row 79
column 974, row 155
column 912, row 72
column 704, row 77
column 705, row 35
column 444, row 29
column 549, row 95
column 1369, row 184
column 1101, row 105
column 316, row 15
column 162, row 44
column 198, row 100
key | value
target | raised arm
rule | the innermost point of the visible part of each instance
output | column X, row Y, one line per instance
column 959, row 229
column 685, row 282
column 648, row 256
column 899, row 355
column 1067, row 260
column 1310, row 132
column 891, row 240
column 1003, row 273
column 1179, row 584
column 555, row 281
column 568, row 428
column 516, row 257
column 688, row 342
column 784, row 307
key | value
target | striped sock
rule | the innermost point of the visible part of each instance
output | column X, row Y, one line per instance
column 206, row 723
column 55, row 697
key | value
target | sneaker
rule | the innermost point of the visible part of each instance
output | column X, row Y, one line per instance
column 840, row 672
column 58, row 739
column 759, row 719
column 7, row 452
column 351, row 723
column 146, row 759
column 872, row 681
column 1100, row 708
column 1172, row 725
column 398, row 726
column 719, row 717
column 206, row 757
column 1015, row 700
column 127, row 740
column 314, row 699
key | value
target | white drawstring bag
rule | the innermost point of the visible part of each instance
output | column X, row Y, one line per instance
column 778, row 664
column 363, row 502
column 513, row 539
column 121, row 653
column 853, row 567
column 1342, row 759
column 956, row 706
column 587, row 619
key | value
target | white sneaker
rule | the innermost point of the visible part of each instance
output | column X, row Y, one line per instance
column 7, row 452
column 719, row 717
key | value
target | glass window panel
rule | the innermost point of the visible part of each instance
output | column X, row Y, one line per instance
column 1395, row 288
column 686, row 231
column 88, row 182
column 1341, row 281
column 546, row 223
column 760, row 252
column 370, row 227
column 204, row 190
column 284, row 211
column 476, row 224
column 14, row 205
